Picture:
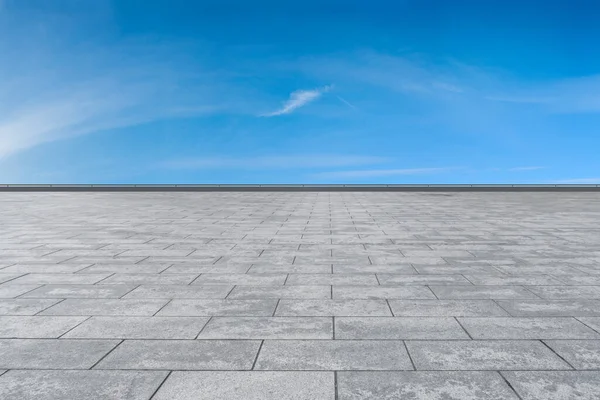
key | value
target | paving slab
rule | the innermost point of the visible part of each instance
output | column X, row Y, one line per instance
column 268, row 328
column 581, row 354
column 398, row 328
column 79, row 291
column 482, row 292
column 53, row 354
column 36, row 327
column 241, row 279
column 77, row 385
column 330, row 355
column 396, row 279
column 25, row 306
column 326, row 307
column 106, row 307
column 483, row 355
column 422, row 385
column 527, row 328
column 9, row 290
column 60, row 279
column 555, row 385
column 179, row 292
column 382, row 292
column 446, row 308
column 248, row 385
column 551, row 308
column 280, row 292
column 183, row 355
column 149, row 279
column 239, row 308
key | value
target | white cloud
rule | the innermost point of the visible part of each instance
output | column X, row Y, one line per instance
column 298, row 99
column 269, row 162
column 372, row 173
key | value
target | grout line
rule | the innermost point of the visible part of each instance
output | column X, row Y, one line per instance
column 276, row 305
column 41, row 311
column 257, row 353
column 409, row 356
column 558, row 355
column 207, row 322
column 160, row 309
column 106, row 355
column 161, row 385
column 577, row 319
column 390, row 307
column 463, row 328
column 335, row 385
column 510, row 385
column 64, row 333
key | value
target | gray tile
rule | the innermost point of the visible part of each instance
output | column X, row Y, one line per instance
column 446, row 308
column 289, row 269
column 324, row 308
column 204, row 269
column 268, row 328
column 419, row 385
column 52, row 354
column 395, row 279
column 551, row 308
column 592, row 322
column 45, row 268
column 374, row 269
column 555, row 385
column 25, row 306
column 241, row 279
column 483, row 355
column 8, row 277
column 581, row 354
column 60, row 279
column 527, row 328
column 398, row 328
column 179, row 292
column 382, row 292
column 240, row 308
column 482, row 292
column 333, row 355
column 512, row 280
column 183, row 355
column 280, row 292
column 566, row 292
column 106, row 307
column 77, row 385
column 150, row 279
column 79, row 291
column 10, row 290
column 579, row 280
column 26, row 327
column 332, row 279
column 139, row 328
column 248, row 385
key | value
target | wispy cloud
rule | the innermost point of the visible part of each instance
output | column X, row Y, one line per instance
column 269, row 162
column 298, row 99
column 373, row 173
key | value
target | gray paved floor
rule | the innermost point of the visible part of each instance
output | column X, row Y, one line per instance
column 299, row 296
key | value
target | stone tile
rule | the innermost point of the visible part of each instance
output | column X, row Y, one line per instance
column 268, row 328
column 395, row 279
column 52, row 354
column 551, row 308
column 248, row 385
column 183, row 355
column 239, row 308
column 139, row 328
column 332, row 279
column 398, row 328
column 77, row 385
column 280, row 292
column 26, row 327
column 10, row 290
column 446, row 308
column 45, row 268
column 25, row 306
column 205, row 269
column 579, row 280
column 527, row 328
column 330, row 355
column 482, row 292
column 496, row 280
column 420, row 385
column 60, row 279
column 483, row 355
column 455, row 269
column 79, row 291
column 566, row 292
column 114, row 268
column 324, row 308
column 106, row 307
column 241, row 279
column 179, row 292
column 289, row 269
column 555, row 385
column 150, row 279
column 538, row 270
column 405, row 269
column 382, row 292
column 8, row 277
column 581, row 354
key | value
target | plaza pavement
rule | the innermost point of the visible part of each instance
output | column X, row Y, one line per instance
column 310, row 295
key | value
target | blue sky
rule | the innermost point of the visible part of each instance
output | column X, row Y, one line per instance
column 131, row 91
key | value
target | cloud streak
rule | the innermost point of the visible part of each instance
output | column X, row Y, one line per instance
column 298, row 99
column 373, row 173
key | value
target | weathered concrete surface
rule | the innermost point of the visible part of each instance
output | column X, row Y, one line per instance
column 300, row 295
